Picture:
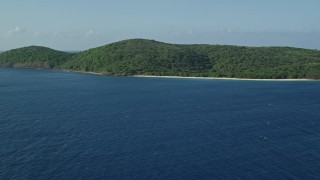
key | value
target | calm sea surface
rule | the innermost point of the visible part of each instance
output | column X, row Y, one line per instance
column 60, row 125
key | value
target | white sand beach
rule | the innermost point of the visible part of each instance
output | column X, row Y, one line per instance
column 184, row 77
column 222, row 78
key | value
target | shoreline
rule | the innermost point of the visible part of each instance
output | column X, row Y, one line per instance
column 172, row 77
column 83, row 72
column 191, row 77
column 220, row 78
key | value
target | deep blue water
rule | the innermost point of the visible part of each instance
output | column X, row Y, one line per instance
column 60, row 125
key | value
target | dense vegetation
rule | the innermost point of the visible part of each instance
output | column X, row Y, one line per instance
column 142, row 57
column 138, row 56
column 34, row 56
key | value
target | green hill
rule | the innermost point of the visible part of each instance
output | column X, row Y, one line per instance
column 140, row 56
column 263, row 62
column 33, row 56
column 148, row 57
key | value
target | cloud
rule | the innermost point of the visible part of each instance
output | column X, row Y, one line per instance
column 56, row 33
column 224, row 30
column 89, row 33
column 36, row 34
column 17, row 30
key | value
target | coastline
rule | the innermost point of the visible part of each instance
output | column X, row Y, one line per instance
column 190, row 77
column 83, row 72
column 221, row 78
column 172, row 77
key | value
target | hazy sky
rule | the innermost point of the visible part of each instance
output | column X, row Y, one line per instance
column 82, row 24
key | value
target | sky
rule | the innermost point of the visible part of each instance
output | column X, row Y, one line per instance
column 82, row 24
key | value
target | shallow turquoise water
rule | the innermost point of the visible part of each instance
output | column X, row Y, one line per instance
column 60, row 125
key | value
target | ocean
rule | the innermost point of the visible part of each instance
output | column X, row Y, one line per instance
column 64, row 125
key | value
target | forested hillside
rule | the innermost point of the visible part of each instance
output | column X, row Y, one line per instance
column 148, row 57
column 142, row 57
column 34, row 56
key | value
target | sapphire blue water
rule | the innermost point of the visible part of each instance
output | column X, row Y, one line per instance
column 61, row 125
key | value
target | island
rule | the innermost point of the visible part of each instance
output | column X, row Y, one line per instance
column 153, row 58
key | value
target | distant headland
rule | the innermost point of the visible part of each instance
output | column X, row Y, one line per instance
column 149, row 57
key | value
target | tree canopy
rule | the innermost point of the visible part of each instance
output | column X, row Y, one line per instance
column 34, row 56
column 149, row 57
